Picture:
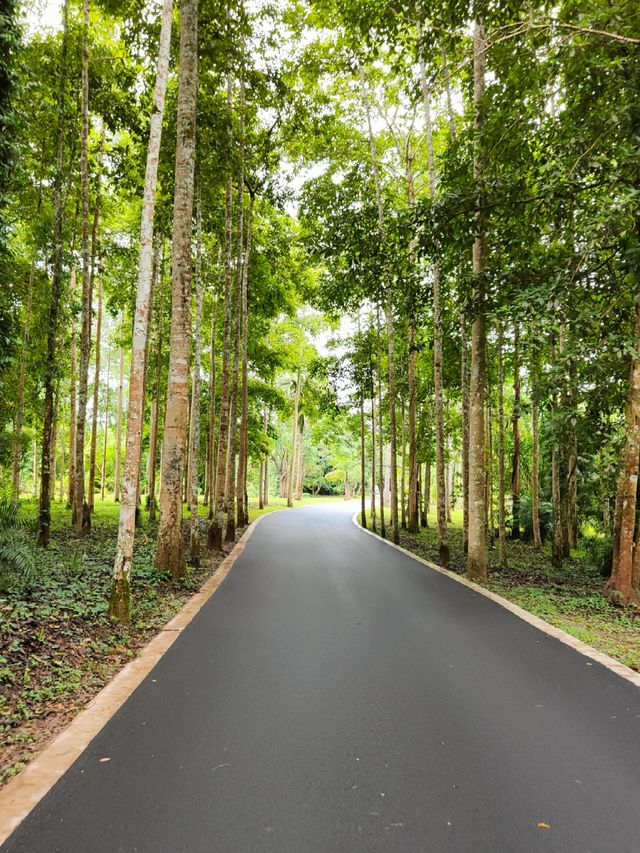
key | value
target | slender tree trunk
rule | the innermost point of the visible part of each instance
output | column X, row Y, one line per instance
column 54, row 445
column 363, row 466
column 19, row 419
column 477, row 546
column 81, row 518
column 427, row 492
column 116, row 485
column 464, row 382
column 72, row 397
column 96, row 400
column 194, row 421
column 535, row 458
column 443, row 546
column 300, row 470
column 230, row 532
column 620, row 587
column 243, row 456
column 502, row 544
column 515, row 421
column 121, row 593
column 383, row 523
column 403, row 466
column 211, row 449
column 391, row 366
column 61, row 451
column 294, row 439
column 51, row 367
column 170, row 546
column 35, row 467
column 412, row 509
column 372, row 509
column 217, row 522
column 572, row 462
column 103, row 460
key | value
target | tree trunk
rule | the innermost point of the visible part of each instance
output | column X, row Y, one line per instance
column 217, row 522
column 243, row 457
column 443, row 546
column 230, row 532
column 194, row 420
column 51, row 367
column 535, row 459
column 383, row 523
column 119, row 607
column 117, row 476
column 300, row 472
column 80, row 514
column 61, row 450
column 363, row 466
column 572, row 461
column 515, row 421
column 96, row 400
column 103, row 460
column 403, row 466
column 19, row 419
column 170, row 547
column 477, row 546
column 294, row 439
column 391, row 367
column 622, row 587
column 211, row 447
column 427, row 492
column 464, row 383
column 502, row 544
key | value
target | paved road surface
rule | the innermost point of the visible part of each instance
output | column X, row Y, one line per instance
column 335, row 695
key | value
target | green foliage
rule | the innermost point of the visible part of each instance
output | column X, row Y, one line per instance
column 17, row 552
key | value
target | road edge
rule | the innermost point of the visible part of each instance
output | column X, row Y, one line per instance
column 22, row 793
column 557, row 633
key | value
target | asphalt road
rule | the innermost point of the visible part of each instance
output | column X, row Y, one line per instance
column 336, row 695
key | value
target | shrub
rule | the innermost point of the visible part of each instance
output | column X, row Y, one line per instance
column 17, row 555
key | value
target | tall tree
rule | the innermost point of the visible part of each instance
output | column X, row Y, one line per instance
column 170, row 545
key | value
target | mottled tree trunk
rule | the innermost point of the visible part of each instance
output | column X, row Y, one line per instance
column 363, row 465
column 105, row 437
column 300, row 471
column 403, row 465
column 119, row 412
column 51, row 367
column 502, row 544
column 515, row 422
column 211, row 445
column 441, row 501
column 623, row 587
column 73, row 377
column 243, row 456
column 194, row 420
column 383, row 523
column 80, row 514
column 477, row 545
column 572, row 462
column 96, row 401
column 19, row 418
column 170, row 546
column 464, row 383
column 556, row 497
column 230, row 532
column 294, row 439
column 119, row 607
column 535, row 458
column 216, row 526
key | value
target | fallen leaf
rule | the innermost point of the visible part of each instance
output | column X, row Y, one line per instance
column 102, row 760
column 543, row 825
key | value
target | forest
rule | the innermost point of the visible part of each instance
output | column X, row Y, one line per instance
column 269, row 252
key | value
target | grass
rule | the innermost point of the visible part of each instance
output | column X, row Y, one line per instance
column 57, row 645
column 569, row 597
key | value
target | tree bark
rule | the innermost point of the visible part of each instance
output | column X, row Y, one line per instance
column 50, row 372
column 105, row 438
column 502, row 536
column 194, row 420
column 515, row 421
column 80, row 514
column 294, row 439
column 121, row 592
column 535, row 458
column 170, row 546
column 383, row 523
column 96, row 401
column 243, row 456
column 300, row 467
column 230, row 532
column 119, row 412
column 441, row 504
column 403, row 465
column 217, row 522
column 19, row 419
column 211, row 449
column 622, row 587
column 477, row 545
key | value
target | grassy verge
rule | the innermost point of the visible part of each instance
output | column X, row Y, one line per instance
column 57, row 646
column 569, row 597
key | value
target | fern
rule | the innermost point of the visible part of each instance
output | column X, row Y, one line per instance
column 17, row 555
